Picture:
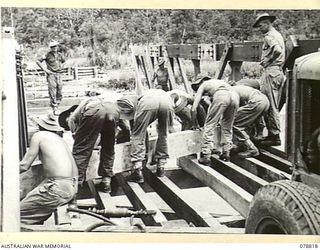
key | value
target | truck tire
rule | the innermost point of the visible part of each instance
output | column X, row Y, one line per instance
column 284, row 207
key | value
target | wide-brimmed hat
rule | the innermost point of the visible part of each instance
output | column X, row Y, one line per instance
column 49, row 123
column 64, row 115
column 53, row 43
column 198, row 80
column 263, row 16
column 180, row 103
column 161, row 61
column 126, row 105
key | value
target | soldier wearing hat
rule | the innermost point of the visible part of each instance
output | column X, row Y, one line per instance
column 91, row 118
column 182, row 103
column 54, row 60
column 272, row 79
column 59, row 167
column 221, row 111
column 154, row 104
column 162, row 76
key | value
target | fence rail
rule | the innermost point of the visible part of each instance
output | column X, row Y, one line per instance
column 68, row 74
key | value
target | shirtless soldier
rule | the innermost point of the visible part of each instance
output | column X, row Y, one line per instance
column 60, row 170
column 162, row 76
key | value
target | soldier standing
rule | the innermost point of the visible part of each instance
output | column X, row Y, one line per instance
column 272, row 79
column 54, row 61
column 162, row 76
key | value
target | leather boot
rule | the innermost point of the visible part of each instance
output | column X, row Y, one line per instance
column 160, row 167
column 136, row 176
column 105, row 185
column 225, row 156
column 205, row 159
column 271, row 140
column 250, row 152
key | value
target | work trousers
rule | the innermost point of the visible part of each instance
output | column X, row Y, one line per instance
column 221, row 111
column 249, row 114
column 55, row 89
column 272, row 81
column 100, row 119
column 39, row 203
column 142, row 120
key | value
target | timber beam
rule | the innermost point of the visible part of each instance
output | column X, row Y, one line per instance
column 260, row 169
column 275, row 161
column 241, row 177
column 237, row 197
column 178, row 201
column 140, row 200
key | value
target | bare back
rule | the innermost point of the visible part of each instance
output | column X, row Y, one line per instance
column 212, row 86
column 56, row 157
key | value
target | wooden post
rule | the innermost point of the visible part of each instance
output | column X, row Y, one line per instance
column 139, row 87
column 95, row 72
column 184, row 76
column 149, row 66
column 196, row 66
column 171, row 60
column 223, row 60
column 76, row 76
column 170, row 69
column 235, row 73
column 10, row 204
column 145, row 71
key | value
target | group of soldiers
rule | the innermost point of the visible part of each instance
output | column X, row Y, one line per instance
column 215, row 105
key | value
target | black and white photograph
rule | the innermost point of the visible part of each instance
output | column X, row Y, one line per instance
column 160, row 121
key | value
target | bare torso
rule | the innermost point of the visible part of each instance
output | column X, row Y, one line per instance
column 56, row 157
column 214, row 85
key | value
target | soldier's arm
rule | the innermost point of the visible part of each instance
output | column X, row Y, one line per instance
column 40, row 65
column 32, row 153
column 276, row 49
column 197, row 98
column 75, row 117
column 154, row 77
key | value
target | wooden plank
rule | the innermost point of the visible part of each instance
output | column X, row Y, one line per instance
column 241, row 177
column 232, row 221
column 95, row 194
column 275, row 161
column 179, row 144
column 260, row 169
column 237, row 197
column 140, row 200
column 186, row 83
column 178, row 201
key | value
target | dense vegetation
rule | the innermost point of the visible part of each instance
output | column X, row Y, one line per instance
column 110, row 31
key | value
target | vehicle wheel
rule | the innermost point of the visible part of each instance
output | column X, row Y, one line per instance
column 284, row 207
